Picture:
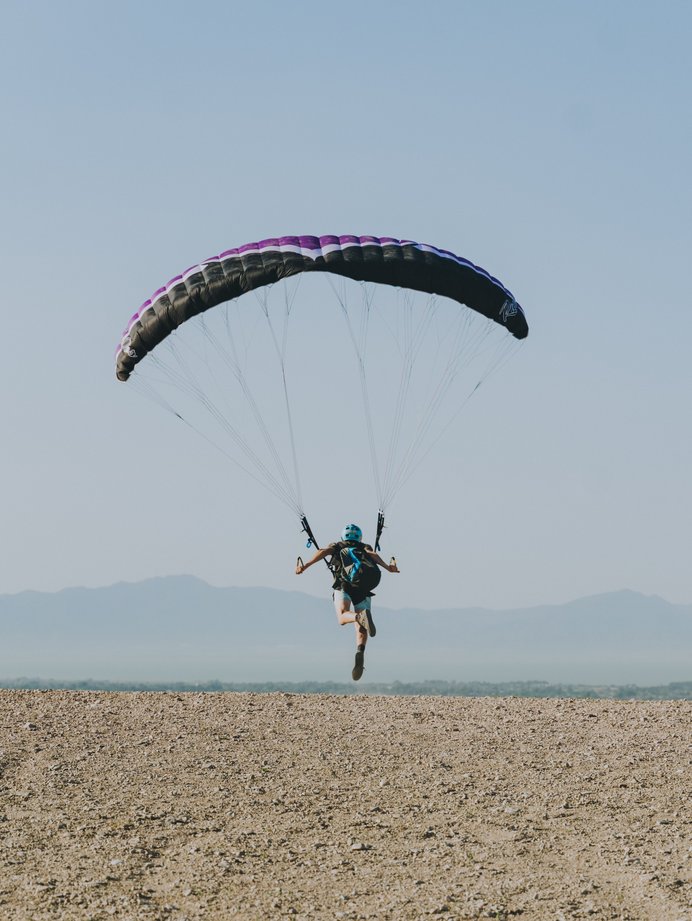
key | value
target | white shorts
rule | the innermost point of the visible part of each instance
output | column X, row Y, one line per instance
column 340, row 596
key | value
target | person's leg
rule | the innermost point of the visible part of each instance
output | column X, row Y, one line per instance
column 342, row 605
column 364, row 618
column 361, row 623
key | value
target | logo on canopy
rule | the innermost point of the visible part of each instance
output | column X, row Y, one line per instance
column 510, row 308
column 126, row 346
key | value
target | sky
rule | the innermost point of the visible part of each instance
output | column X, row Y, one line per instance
column 549, row 142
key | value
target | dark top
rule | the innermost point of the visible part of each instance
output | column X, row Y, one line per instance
column 336, row 565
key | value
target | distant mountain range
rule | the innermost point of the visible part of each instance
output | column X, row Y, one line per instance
column 178, row 628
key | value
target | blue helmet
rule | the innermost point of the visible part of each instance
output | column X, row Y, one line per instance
column 351, row 532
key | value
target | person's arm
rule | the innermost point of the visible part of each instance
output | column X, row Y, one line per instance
column 319, row 555
column 380, row 562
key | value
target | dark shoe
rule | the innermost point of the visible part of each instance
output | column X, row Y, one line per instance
column 364, row 618
column 359, row 666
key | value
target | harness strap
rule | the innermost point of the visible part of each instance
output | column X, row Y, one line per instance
column 380, row 529
column 308, row 530
column 312, row 542
column 356, row 563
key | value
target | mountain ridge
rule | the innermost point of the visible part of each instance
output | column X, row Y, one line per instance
column 624, row 593
column 182, row 628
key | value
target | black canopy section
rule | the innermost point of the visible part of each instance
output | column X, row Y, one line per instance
column 382, row 260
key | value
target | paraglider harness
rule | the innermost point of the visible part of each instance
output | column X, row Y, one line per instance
column 353, row 570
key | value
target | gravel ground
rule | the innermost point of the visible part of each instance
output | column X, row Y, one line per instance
column 264, row 806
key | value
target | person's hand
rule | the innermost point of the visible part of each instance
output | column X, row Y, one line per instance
column 300, row 566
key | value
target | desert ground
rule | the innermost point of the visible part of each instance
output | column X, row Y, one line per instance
column 263, row 806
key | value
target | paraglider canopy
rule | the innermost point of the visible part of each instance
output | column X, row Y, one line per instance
column 446, row 315
column 383, row 260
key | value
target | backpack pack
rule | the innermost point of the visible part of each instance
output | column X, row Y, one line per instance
column 357, row 569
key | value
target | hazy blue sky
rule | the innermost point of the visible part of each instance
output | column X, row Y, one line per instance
column 550, row 142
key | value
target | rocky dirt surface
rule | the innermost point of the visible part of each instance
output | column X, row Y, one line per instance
column 264, row 806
